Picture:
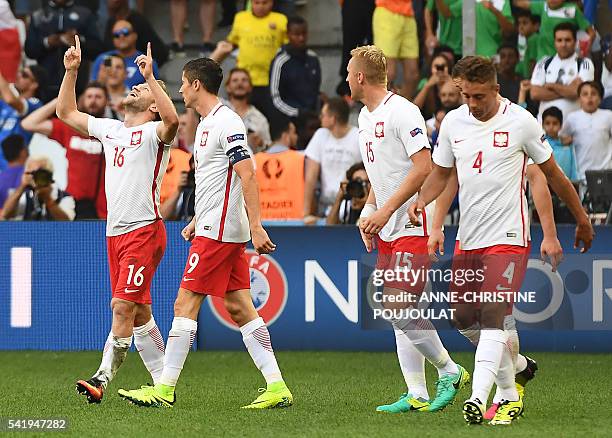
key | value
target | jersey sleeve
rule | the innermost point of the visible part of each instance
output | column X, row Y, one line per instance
column 538, row 77
column 411, row 130
column 313, row 150
column 233, row 140
column 99, row 127
column 95, row 127
column 535, row 144
column 587, row 70
column 443, row 153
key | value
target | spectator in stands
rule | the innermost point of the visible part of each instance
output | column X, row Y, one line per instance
column 51, row 32
column 356, row 31
column 120, row 10
column 494, row 21
column 433, row 125
column 178, row 164
column 306, row 128
column 555, row 79
column 450, row 26
column 280, row 174
column 185, row 136
column 295, row 73
column 113, row 75
column 258, row 34
column 83, row 153
column 395, row 32
column 528, row 26
column 429, row 88
column 124, row 39
column 16, row 153
column 10, row 46
column 590, row 129
column 19, row 100
column 333, row 149
column 508, row 79
column 178, row 15
column 37, row 198
column 552, row 13
column 351, row 197
column 180, row 205
column 238, row 87
column 449, row 95
column 552, row 120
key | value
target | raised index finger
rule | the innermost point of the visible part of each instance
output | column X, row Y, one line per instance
column 77, row 43
column 149, row 49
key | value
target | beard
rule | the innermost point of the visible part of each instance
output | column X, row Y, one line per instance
column 134, row 105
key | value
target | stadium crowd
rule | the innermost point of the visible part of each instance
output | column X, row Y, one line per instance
column 550, row 59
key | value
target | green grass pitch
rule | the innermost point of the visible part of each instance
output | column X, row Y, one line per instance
column 335, row 395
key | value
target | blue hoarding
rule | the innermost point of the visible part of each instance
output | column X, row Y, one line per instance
column 54, row 291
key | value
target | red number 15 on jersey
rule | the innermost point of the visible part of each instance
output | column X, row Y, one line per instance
column 369, row 152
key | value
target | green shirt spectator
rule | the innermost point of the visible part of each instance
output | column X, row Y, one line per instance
column 553, row 12
column 450, row 31
column 530, row 56
column 493, row 20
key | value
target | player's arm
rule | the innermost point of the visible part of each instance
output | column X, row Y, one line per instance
column 414, row 180
column 188, row 232
column 40, row 120
column 550, row 247
column 66, row 101
column 166, row 130
column 436, row 182
column 564, row 188
column 443, row 203
column 10, row 96
column 250, row 190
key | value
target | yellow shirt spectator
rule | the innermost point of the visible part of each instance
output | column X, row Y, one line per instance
column 258, row 40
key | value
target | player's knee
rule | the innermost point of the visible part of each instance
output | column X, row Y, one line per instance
column 143, row 315
column 492, row 318
column 123, row 310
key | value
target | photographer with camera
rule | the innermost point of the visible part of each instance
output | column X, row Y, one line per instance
column 351, row 197
column 37, row 198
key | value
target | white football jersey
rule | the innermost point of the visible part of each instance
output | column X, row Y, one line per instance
column 388, row 137
column 220, row 142
column 136, row 161
column 491, row 159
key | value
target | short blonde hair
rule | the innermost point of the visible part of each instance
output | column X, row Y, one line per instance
column 373, row 62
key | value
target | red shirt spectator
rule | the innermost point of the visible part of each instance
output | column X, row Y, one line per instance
column 85, row 165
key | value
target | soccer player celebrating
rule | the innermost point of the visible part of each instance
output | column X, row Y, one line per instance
column 489, row 141
column 217, row 264
column 136, row 153
column 395, row 150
